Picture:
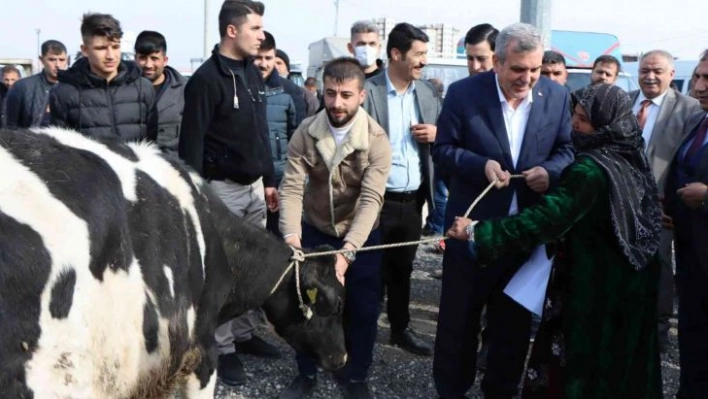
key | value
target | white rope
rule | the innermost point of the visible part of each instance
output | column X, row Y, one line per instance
column 299, row 256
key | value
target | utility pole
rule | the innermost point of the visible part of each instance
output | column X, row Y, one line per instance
column 538, row 14
column 206, row 29
column 336, row 16
column 39, row 49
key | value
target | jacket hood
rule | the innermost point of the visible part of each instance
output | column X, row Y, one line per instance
column 80, row 74
column 176, row 78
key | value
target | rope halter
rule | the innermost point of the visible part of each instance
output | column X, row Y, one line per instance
column 295, row 259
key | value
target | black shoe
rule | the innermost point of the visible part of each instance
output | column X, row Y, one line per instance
column 426, row 232
column 664, row 343
column 230, row 370
column 257, row 347
column 409, row 340
column 300, row 387
column 357, row 390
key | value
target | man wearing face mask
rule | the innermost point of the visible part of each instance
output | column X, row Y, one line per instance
column 408, row 109
column 365, row 46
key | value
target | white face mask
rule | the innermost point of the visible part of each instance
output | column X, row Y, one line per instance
column 366, row 55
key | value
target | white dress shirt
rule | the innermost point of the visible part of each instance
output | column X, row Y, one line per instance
column 515, row 121
column 652, row 114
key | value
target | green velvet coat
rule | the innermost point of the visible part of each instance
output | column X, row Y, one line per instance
column 598, row 336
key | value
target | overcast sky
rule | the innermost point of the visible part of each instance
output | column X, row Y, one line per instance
column 678, row 26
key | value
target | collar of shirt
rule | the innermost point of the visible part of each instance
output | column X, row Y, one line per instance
column 502, row 99
column 392, row 90
column 658, row 100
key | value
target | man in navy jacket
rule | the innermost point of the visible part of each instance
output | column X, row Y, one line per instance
column 506, row 121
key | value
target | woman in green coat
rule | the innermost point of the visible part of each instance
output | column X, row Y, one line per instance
column 598, row 336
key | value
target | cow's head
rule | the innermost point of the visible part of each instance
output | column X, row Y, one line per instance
column 322, row 336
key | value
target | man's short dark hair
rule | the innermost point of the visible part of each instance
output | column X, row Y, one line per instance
column 269, row 42
column 54, row 47
column 479, row 33
column 553, row 57
column 149, row 42
column 310, row 82
column 344, row 68
column 607, row 59
column 10, row 68
column 402, row 36
column 104, row 25
column 235, row 12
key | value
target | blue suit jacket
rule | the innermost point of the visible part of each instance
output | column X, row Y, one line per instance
column 471, row 131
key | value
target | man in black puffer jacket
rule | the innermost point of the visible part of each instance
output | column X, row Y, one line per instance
column 100, row 95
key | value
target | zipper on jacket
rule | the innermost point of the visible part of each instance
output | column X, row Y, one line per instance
column 110, row 107
column 233, row 79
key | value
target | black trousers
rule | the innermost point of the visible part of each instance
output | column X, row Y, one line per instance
column 466, row 288
column 401, row 220
column 691, row 283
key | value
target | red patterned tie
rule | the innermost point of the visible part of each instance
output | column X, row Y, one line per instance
column 698, row 139
column 643, row 113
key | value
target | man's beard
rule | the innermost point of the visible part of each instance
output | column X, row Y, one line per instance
column 335, row 123
column 155, row 77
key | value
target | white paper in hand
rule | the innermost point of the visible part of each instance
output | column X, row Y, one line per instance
column 528, row 286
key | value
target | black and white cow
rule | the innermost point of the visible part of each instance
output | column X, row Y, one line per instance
column 116, row 265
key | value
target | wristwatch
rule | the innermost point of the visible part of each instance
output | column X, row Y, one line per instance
column 469, row 229
column 350, row 256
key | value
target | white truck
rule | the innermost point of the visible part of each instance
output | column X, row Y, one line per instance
column 23, row 64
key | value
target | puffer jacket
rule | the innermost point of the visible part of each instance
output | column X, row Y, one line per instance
column 282, row 122
column 121, row 108
column 3, row 96
column 169, row 107
column 26, row 102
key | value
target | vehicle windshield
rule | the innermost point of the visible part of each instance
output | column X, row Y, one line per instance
column 578, row 80
column 447, row 73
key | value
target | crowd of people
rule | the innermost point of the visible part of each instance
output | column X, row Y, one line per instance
column 609, row 186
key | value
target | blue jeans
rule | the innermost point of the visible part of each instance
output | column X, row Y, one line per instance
column 361, row 309
column 436, row 216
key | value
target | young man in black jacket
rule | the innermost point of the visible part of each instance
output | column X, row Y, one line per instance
column 101, row 95
column 27, row 103
column 224, row 137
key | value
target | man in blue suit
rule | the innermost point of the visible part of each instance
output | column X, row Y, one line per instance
column 507, row 121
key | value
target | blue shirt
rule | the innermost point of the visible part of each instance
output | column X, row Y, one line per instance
column 403, row 112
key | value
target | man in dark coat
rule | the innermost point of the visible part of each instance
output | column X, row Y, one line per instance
column 101, row 95
column 285, row 112
column 151, row 56
column 27, row 102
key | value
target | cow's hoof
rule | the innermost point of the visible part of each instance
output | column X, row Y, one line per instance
column 300, row 387
column 230, row 370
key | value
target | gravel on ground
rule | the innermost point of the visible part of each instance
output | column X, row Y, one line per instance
column 395, row 374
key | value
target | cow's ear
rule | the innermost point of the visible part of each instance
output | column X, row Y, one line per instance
column 321, row 284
